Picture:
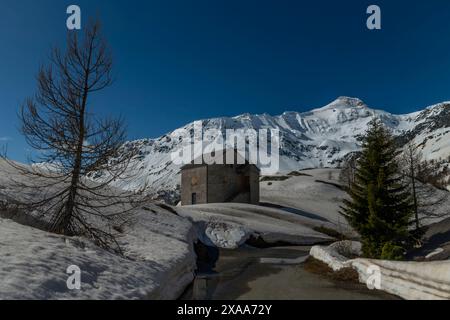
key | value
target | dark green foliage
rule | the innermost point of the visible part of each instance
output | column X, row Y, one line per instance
column 391, row 251
column 380, row 205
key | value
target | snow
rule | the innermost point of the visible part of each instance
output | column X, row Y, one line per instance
column 314, row 194
column 434, row 253
column 159, row 259
column 158, row 246
column 333, row 256
column 159, row 263
column 434, row 145
column 307, row 194
column 228, row 225
column 318, row 138
column 407, row 279
column 226, row 235
column 436, row 202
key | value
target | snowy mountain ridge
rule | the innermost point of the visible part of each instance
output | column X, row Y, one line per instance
column 318, row 138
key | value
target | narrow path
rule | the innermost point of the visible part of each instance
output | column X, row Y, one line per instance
column 255, row 274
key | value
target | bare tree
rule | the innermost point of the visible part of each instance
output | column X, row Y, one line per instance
column 426, row 198
column 73, row 144
column 347, row 174
column 413, row 158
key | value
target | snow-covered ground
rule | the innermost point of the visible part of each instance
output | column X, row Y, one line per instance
column 160, row 261
column 158, row 245
column 312, row 193
column 407, row 279
column 229, row 225
column 316, row 192
column 436, row 242
column 333, row 255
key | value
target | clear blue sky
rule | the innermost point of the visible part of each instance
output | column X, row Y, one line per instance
column 181, row 60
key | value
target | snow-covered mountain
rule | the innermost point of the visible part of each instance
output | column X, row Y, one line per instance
column 319, row 138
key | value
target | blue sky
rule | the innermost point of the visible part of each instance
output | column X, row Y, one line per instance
column 178, row 60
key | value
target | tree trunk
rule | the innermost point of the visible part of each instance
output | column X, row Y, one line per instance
column 74, row 184
column 413, row 180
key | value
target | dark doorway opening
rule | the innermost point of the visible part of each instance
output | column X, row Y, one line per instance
column 244, row 184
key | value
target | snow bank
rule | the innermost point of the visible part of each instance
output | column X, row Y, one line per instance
column 160, row 261
column 228, row 225
column 307, row 194
column 409, row 280
column 315, row 193
column 224, row 235
column 333, row 254
column 158, row 246
column 406, row 279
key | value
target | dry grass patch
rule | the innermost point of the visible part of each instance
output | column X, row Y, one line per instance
column 274, row 178
column 318, row 267
column 331, row 233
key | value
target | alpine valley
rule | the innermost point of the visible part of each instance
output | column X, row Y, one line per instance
column 320, row 138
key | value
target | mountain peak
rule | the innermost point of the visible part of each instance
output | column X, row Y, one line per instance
column 343, row 103
column 347, row 102
column 312, row 139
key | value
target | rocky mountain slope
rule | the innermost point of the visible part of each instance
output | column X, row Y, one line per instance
column 318, row 138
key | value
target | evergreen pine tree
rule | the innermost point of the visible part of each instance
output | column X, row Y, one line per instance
column 380, row 206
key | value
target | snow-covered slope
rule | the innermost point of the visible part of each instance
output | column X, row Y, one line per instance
column 319, row 138
column 317, row 193
column 432, row 132
column 229, row 225
column 158, row 244
column 301, row 193
column 160, row 261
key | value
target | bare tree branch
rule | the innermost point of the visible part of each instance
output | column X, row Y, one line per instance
column 73, row 145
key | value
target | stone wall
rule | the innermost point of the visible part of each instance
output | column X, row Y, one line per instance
column 218, row 184
column 222, row 183
column 194, row 180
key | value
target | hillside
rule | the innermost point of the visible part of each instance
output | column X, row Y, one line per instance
column 319, row 138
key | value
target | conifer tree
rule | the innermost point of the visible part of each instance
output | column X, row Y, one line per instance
column 380, row 205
